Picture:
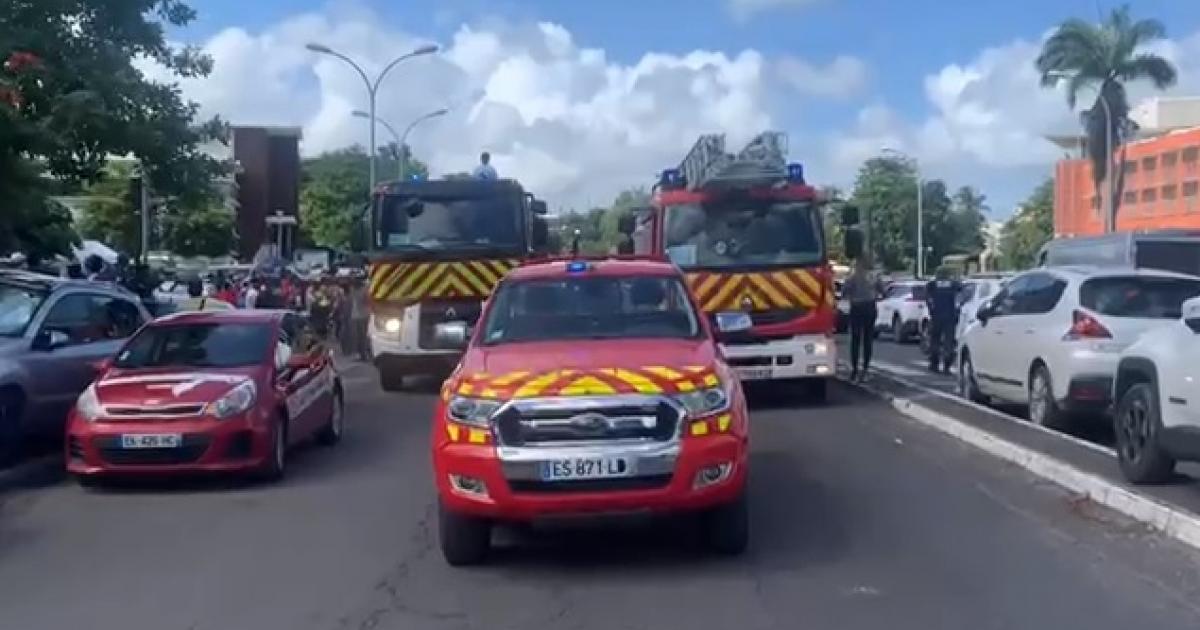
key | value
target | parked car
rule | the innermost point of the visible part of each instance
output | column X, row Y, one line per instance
column 902, row 310
column 1052, row 337
column 975, row 292
column 207, row 391
column 1157, row 419
column 52, row 333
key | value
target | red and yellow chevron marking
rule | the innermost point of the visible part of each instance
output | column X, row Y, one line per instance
column 653, row 379
column 766, row 290
column 416, row 281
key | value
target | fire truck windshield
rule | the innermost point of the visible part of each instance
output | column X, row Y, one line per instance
column 743, row 234
column 449, row 223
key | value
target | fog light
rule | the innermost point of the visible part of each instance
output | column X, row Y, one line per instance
column 468, row 485
column 818, row 370
column 391, row 325
column 711, row 475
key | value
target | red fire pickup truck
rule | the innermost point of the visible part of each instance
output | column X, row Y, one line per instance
column 589, row 387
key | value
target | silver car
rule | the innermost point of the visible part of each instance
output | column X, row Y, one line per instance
column 53, row 331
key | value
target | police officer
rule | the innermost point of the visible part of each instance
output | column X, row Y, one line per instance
column 941, row 296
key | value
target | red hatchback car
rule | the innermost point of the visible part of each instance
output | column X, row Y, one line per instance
column 214, row 391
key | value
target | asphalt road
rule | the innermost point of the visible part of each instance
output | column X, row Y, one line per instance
column 861, row 519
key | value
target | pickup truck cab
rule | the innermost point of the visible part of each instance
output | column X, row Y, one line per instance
column 590, row 387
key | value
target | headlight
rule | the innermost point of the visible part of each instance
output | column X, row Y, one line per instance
column 471, row 411
column 819, row 348
column 238, row 400
column 88, row 406
column 704, row 402
column 391, row 325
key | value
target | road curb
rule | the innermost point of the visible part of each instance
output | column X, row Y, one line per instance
column 1178, row 524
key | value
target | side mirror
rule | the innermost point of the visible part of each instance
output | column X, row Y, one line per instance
column 451, row 335
column 358, row 231
column 984, row 313
column 853, row 242
column 540, row 233
column 732, row 325
column 1191, row 313
column 538, row 207
column 627, row 223
column 47, row 340
column 849, row 215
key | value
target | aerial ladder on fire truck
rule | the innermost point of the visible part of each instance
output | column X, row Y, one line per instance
column 762, row 162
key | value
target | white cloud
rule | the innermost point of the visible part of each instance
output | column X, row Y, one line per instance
column 745, row 9
column 573, row 125
column 843, row 77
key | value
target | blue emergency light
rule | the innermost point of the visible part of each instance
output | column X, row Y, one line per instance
column 671, row 178
column 416, row 177
column 577, row 266
column 795, row 172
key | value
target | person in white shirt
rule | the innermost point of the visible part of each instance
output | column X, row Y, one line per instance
column 251, row 296
column 485, row 169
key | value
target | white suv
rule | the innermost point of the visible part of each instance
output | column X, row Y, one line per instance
column 902, row 310
column 1158, row 392
column 975, row 293
column 1051, row 337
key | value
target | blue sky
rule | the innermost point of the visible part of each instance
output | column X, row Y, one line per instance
column 897, row 46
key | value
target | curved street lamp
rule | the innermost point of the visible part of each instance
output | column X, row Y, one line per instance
column 372, row 86
column 401, row 139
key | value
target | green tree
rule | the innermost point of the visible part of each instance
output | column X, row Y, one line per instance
column 334, row 186
column 70, row 96
column 969, row 208
column 1105, row 56
column 622, row 206
column 885, row 193
column 204, row 230
column 109, row 216
column 1032, row 225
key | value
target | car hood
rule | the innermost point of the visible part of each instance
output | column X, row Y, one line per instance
column 587, row 367
column 169, row 386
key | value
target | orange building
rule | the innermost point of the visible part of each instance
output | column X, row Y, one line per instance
column 1162, row 187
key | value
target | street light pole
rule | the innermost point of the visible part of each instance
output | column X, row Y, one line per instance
column 401, row 140
column 920, row 267
column 372, row 87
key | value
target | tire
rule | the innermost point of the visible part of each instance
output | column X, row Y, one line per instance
column 331, row 433
column 1137, row 424
column 898, row 329
column 923, row 341
column 88, row 482
column 276, row 465
column 465, row 540
column 968, row 384
column 1043, row 409
column 11, row 406
column 391, row 379
column 727, row 527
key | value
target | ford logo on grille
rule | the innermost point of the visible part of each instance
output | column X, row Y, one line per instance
column 589, row 421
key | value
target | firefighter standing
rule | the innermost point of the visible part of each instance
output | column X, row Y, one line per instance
column 941, row 296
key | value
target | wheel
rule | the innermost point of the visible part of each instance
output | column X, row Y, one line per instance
column 968, row 385
column 331, row 433
column 897, row 329
column 276, row 464
column 465, row 540
column 391, row 379
column 727, row 528
column 11, row 405
column 88, row 482
column 1137, row 425
column 923, row 340
column 1043, row 410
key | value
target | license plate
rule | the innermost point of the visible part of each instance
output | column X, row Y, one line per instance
column 151, row 440
column 754, row 373
column 586, row 468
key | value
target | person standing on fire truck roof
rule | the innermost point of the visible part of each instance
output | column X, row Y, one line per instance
column 485, row 170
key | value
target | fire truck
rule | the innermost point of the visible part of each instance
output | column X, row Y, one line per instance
column 435, row 250
column 746, row 229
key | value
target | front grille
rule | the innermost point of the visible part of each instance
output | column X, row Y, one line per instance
column 642, row 419
column 118, row 412
column 591, row 485
column 192, row 449
column 442, row 311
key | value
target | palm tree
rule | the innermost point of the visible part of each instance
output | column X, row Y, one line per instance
column 1105, row 56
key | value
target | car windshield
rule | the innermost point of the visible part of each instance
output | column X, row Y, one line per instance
column 590, row 308
column 196, row 345
column 407, row 222
column 1138, row 296
column 17, row 306
column 743, row 234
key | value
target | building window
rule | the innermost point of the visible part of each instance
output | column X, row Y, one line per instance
column 1149, row 163
column 1169, row 192
column 1190, row 154
column 1149, row 195
column 1130, row 166
column 1130, row 197
column 1169, row 159
column 1189, row 189
column 1095, row 201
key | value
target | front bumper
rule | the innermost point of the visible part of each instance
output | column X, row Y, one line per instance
column 665, row 481
column 208, row 445
column 802, row 356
